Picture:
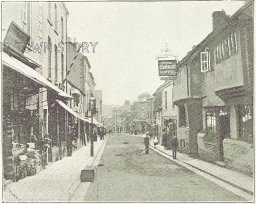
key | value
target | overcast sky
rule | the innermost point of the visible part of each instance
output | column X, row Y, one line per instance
column 131, row 35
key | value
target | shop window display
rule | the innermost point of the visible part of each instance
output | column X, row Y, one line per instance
column 211, row 121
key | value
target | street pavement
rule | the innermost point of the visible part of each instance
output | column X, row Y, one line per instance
column 236, row 182
column 126, row 173
column 56, row 183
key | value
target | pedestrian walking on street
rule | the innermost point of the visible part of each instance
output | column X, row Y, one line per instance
column 174, row 144
column 155, row 141
column 146, row 142
column 95, row 135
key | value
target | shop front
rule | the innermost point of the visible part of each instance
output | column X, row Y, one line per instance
column 21, row 122
column 23, row 138
column 189, row 123
column 216, row 128
column 24, row 111
column 238, row 149
column 169, row 125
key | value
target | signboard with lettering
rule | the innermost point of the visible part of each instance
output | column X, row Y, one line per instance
column 168, row 78
column 167, row 67
column 16, row 38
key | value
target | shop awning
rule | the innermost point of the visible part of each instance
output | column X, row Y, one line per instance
column 27, row 71
column 85, row 119
column 95, row 122
column 63, row 105
column 212, row 101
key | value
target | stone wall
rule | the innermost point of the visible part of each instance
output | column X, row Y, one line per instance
column 183, row 139
column 239, row 155
column 206, row 150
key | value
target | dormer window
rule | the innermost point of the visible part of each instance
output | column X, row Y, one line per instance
column 205, row 60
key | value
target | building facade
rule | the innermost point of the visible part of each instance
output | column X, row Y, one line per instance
column 46, row 25
column 34, row 36
column 213, row 92
column 117, row 121
column 81, row 85
column 79, row 74
column 98, row 97
column 36, row 89
column 168, row 114
column 165, row 113
column 141, row 114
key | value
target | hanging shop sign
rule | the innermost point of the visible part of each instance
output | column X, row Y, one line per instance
column 167, row 68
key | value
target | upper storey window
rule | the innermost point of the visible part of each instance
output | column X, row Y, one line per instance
column 226, row 48
column 205, row 60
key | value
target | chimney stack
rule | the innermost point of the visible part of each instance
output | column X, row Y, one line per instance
column 219, row 18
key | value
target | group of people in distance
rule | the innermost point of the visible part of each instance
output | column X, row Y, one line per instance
column 174, row 144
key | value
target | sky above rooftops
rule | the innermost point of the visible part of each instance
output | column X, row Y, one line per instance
column 131, row 35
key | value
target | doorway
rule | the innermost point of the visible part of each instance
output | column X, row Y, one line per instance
column 224, row 124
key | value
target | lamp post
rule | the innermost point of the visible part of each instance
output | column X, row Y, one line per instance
column 92, row 107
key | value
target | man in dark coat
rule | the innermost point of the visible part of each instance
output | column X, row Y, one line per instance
column 146, row 142
column 95, row 135
column 174, row 146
